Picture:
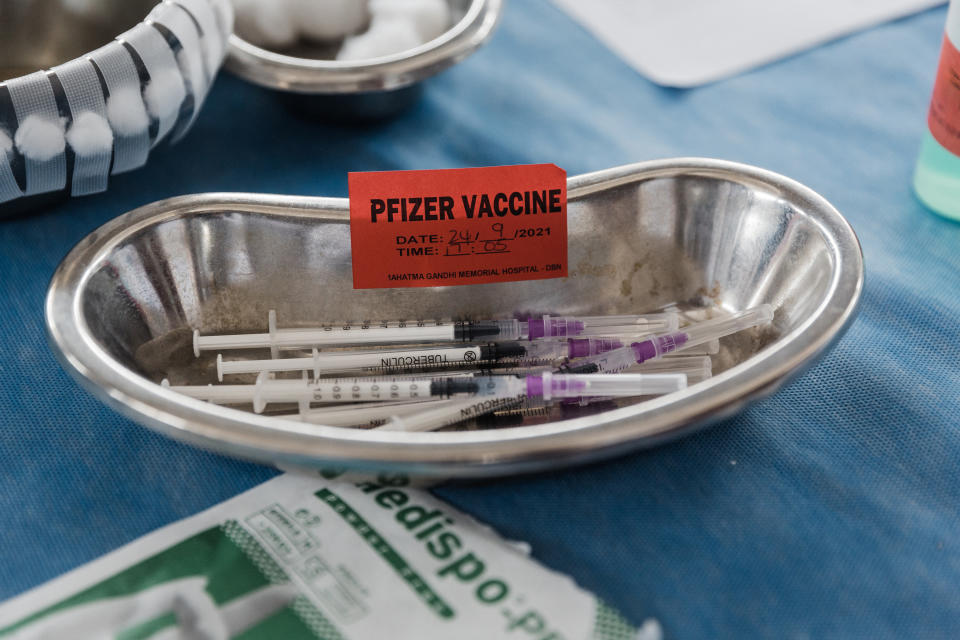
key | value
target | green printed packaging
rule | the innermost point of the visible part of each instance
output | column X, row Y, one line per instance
column 311, row 558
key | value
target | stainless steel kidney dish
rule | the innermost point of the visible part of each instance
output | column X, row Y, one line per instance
column 364, row 89
column 641, row 236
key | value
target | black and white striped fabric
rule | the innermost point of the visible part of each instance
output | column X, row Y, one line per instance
column 71, row 127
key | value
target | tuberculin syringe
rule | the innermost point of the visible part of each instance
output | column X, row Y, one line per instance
column 544, row 385
column 509, row 391
column 384, row 362
column 425, row 332
column 343, row 390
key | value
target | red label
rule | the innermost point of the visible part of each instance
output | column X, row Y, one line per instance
column 458, row 226
column 944, row 119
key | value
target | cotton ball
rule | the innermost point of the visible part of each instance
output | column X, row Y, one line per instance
column 266, row 23
column 329, row 19
column 384, row 38
column 431, row 17
column 40, row 139
column 90, row 134
column 651, row 630
column 6, row 144
column 126, row 112
column 165, row 93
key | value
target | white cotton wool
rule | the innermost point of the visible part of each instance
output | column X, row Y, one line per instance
column 651, row 630
column 6, row 144
column 265, row 23
column 384, row 38
column 39, row 138
column 90, row 134
column 329, row 20
column 164, row 94
column 126, row 112
column 431, row 17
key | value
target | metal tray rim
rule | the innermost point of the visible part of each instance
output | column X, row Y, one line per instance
column 459, row 453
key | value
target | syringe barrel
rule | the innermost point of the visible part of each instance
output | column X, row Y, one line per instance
column 327, row 336
column 267, row 391
column 452, row 413
column 398, row 359
column 362, row 390
column 368, row 415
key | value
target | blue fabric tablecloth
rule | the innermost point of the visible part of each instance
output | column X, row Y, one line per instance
column 827, row 511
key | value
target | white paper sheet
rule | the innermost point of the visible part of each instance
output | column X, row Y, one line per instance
column 685, row 43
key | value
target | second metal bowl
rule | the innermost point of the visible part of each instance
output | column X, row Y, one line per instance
column 369, row 88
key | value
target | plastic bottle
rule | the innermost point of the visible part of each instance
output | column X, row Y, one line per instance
column 937, row 178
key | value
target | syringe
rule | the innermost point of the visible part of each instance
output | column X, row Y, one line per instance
column 342, row 390
column 658, row 346
column 419, row 332
column 511, row 391
column 386, row 361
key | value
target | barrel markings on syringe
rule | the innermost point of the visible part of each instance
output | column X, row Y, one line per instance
column 368, row 391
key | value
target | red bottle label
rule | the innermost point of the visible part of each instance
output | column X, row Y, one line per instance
column 458, row 226
column 944, row 118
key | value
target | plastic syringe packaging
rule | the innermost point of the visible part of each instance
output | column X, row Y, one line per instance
column 303, row 557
